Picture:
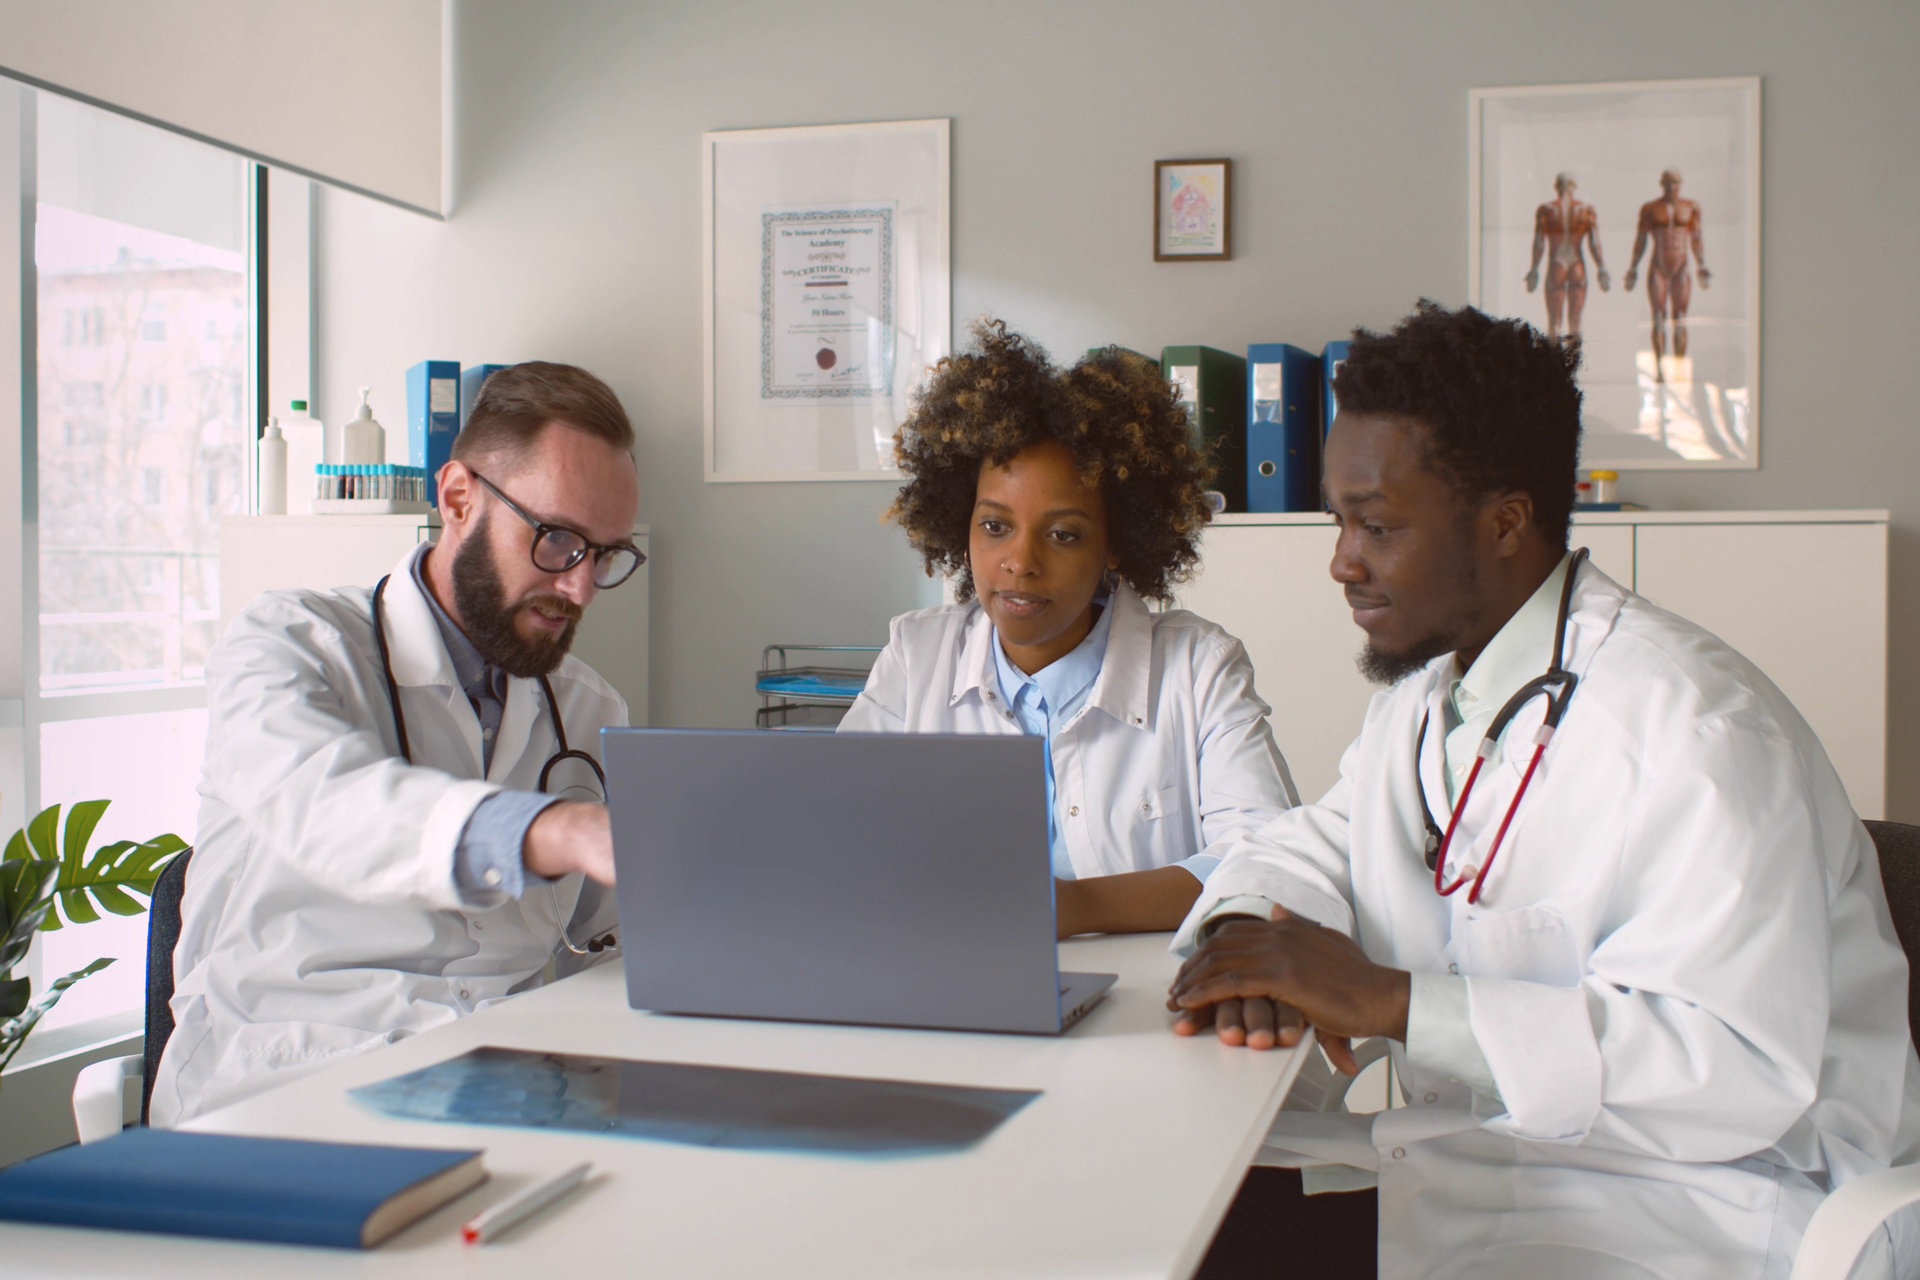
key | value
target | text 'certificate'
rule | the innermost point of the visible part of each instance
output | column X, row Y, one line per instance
column 826, row 303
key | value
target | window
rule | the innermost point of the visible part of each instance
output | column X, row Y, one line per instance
column 140, row 242
column 153, row 406
column 84, row 327
column 154, row 763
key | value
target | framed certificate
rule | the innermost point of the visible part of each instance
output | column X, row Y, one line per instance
column 828, row 294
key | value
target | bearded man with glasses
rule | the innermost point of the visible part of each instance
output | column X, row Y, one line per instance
column 386, row 839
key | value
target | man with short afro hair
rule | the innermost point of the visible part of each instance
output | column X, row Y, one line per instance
column 1586, row 871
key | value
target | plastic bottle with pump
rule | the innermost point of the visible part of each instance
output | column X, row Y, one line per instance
column 363, row 441
column 272, row 464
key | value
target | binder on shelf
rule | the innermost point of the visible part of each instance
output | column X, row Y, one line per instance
column 433, row 418
column 1213, row 385
column 1283, row 428
column 1330, row 360
column 471, row 380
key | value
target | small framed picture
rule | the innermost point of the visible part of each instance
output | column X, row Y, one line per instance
column 1190, row 210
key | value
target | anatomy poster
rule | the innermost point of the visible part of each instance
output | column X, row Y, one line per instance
column 1625, row 219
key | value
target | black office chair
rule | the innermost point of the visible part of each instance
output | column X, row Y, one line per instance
column 100, row 1087
column 1899, row 848
column 1850, row 1216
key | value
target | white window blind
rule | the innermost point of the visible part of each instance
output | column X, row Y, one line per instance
column 348, row 91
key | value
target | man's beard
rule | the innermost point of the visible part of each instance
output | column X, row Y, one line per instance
column 485, row 616
column 1384, row 668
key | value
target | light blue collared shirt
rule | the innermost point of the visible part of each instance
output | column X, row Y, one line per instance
column 1049, row 699
column 488, row 858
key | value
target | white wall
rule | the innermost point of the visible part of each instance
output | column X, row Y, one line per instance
column 576, row 235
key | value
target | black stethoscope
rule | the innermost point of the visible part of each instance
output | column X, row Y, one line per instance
column 1558, row 685
column 564, row 754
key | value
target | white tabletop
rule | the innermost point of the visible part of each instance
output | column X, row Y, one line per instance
column 1123, row 1167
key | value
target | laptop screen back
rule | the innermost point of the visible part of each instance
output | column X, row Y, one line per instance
column 900, row 880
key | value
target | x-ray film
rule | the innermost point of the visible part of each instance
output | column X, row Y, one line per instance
column 698, row 1105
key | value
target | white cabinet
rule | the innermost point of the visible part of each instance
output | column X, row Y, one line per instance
column 259, row 553
column 1802, row 594
column 1807, row 603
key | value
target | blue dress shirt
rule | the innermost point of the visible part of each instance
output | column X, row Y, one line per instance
column 487, row 859
column 1049, row 699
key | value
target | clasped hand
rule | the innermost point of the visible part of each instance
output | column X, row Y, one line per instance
column 1262, row 983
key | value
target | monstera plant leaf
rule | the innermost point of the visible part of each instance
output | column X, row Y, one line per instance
column 44, row 867
column 13, row 1031
column 85, row 886
column 26, row 896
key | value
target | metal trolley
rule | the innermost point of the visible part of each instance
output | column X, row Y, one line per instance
column 810, row 695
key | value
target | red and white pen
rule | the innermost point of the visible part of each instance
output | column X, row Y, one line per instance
column 516, row 1209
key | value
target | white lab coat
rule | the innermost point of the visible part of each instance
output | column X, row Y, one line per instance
column 321, row 916
column 1170, row 756
column 1682, row 972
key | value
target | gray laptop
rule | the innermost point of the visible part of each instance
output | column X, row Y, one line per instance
column 900, row 880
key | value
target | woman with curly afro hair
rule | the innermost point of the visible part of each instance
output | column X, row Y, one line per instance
column 1058, row 504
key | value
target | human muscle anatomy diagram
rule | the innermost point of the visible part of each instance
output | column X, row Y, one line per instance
column 1672, row 226
column 1563, row 229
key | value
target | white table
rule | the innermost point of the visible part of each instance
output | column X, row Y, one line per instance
column 1123, row 1167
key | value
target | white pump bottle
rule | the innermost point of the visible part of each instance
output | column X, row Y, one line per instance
column 363, row 441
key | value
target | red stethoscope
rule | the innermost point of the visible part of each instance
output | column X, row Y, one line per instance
column 1558, row 685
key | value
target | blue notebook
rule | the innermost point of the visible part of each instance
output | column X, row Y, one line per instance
column 215, row 1184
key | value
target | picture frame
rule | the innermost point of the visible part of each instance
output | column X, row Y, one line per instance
column 1192, row 210
column 827, row 294
column 1638, row 184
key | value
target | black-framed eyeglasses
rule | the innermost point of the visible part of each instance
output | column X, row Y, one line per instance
column 557, row 548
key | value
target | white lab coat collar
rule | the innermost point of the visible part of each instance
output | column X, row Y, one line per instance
column 1122, row 688
column 420, row 660
column 1596, row 604
column 1520, row 650
column 419, row 656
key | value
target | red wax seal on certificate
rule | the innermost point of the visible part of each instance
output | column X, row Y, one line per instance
column 825, row 358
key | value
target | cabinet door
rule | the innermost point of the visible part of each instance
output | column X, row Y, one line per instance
column 269, row 553
column 1268, row 585
column 1611, row 548
column 1807, row 604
